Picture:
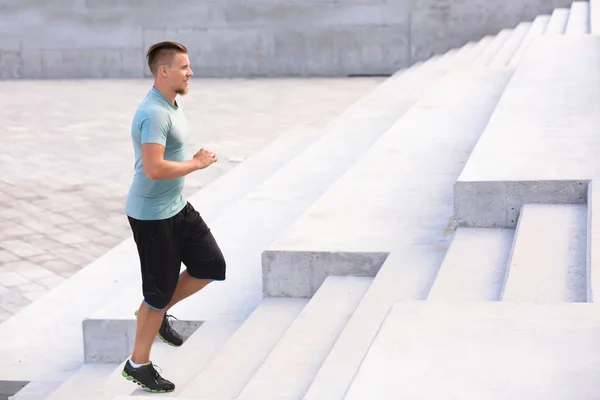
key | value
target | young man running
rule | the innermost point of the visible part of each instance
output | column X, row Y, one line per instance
column 166, row 228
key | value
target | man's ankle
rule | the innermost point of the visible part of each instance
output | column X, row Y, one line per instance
column 139, row 360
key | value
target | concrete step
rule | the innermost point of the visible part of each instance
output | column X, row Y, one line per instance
column 35, row 391
column 493, row 48
column 292, row 364
column 512, row 44
column 593, row 241
column 474, row 267
column 548, row 262
column 180, row 365
column 483, row 350
column 400, row 179
column 538, row 27
column 81, row 384
column 595, row 17
column 579, row 19
column 229, row 371
column 558, row 21
column 241, row 231
column 537, row 151
column 395, row 177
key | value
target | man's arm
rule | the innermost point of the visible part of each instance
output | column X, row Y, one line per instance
column 157, row 168
column 154, row 130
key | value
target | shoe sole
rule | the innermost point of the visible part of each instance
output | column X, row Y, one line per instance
column 146, row 388
column 166, row 341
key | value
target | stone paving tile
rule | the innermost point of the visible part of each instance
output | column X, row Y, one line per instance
column 66, row 160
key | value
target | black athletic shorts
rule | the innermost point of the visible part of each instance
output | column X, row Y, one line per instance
column 164, row 244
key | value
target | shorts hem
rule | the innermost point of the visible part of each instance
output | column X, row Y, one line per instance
column 154, row 308
column 206, row 278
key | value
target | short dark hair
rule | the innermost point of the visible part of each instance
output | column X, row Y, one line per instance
column 162, row 53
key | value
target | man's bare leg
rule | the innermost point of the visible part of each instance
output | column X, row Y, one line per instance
column 149, row 319
column 148, row 324
column 187, row 286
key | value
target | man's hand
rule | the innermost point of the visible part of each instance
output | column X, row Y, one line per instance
column 205, row 158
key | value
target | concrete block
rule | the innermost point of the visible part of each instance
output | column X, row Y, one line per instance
column 100, row 347
column 291, row 366
column 474, row 267
column 437, row 25
column 532, row 152
column 496, row 204
column 593, row 241
column 548, row 260
column 558, row 22
column 233, row 366
column 407, row 274
column 579, row 19
column 300, row 274
column 396, row 177
column 594, row 17
column 483, row 350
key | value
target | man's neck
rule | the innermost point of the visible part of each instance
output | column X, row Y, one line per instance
column 169, row 94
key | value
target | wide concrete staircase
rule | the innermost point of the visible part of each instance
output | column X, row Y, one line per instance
column 436, row 240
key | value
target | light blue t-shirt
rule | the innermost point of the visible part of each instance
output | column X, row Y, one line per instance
column 157, row 121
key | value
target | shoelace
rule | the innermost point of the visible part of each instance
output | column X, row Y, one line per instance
column 167, row 316
column 156, row 372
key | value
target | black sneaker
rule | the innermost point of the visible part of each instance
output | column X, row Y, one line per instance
column 167, row 334
column 148, row 378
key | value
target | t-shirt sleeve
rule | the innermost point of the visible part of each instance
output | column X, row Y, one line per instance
column 155, row 126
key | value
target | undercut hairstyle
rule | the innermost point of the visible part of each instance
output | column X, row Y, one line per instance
column 162, row 54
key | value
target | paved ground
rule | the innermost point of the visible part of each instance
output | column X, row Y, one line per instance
column 66, row 160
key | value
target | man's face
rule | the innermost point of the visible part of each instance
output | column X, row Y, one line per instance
column 179, row 73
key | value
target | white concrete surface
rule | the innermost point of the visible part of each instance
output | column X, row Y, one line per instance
column 474, row 267
column 483, row 350
column 35, row 390
column 579, row 19
column 537, row 151
column 512, row 44
column 281, row 199
column 81, row 383
column 395, row 177
column 593, row 241
column 233, row 366
column 558, row 21
column 538, row 27
column 548, row 260
column 292, row 365
column 594, row 17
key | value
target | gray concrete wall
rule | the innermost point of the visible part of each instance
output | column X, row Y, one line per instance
column 108, row 38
